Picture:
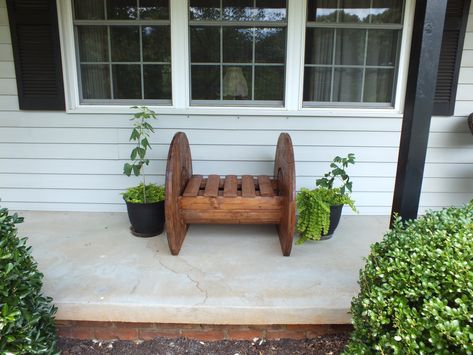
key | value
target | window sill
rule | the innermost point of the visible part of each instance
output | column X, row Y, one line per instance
column 245, row 111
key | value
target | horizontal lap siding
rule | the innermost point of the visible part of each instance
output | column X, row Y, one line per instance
column 73, row 162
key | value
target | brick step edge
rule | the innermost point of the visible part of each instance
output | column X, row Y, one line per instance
column 208, row 332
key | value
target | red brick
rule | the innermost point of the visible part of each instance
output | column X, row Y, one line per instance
column 305, row 327
column 284, row 334
column 82, row 333
column 150, row 334
column 64, row 332
column 92, row 324
column 209, row 335
column 116, row 333
column 63, row 323
column 234, row 334
column 134, row 325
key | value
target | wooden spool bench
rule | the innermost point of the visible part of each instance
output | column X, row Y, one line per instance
column 229, row 199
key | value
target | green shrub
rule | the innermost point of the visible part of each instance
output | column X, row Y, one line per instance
column 26, row 318
column 136, row 194
column 417, row 288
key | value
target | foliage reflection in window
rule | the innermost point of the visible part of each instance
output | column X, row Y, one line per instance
column 124, row 50
column 238, row 51
column 352, row 51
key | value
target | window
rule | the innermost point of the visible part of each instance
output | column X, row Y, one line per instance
column 124, row 50
column 352, row 52
column 237, row 51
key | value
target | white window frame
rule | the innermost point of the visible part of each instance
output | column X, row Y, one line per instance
column 293, row 103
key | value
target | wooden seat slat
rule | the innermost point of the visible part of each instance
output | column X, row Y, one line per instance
column 265, row 188
column 193, row 186
column 230, row 186
column 247, row 186
column 211, row 189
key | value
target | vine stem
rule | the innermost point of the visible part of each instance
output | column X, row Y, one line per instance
column 142, row 167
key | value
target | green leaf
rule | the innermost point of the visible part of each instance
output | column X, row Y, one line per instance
column 134, row 135
column 141, row 152
column 134, row 153
column 137, row 169
column 127, row 169
column 9, row 268
column 145, row 143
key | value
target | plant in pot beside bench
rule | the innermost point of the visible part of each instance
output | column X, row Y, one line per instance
column 144, row 202
column 320, row 209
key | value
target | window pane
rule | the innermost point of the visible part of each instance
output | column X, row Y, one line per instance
column 204, row 9
column 125, row 42
column 205, row 44
column 205, row 82
column 347, row 84
column 378, row 85
column 322, row 10
column 121, row 9
column 126, row 81
column 317, row 84
column 319, row 46
column 157, row 81
column 355, row 11
column 93, row 43
column 382, row 47
column 237, row 83
column 386, row 11
column 270, row 10
column 270, row 46
column 237, row 45
column 95, row 81
column 350, row 47
column 269, row 83
column 89, row 10
column 154, row 9
column 238, row 10
column 156, row 43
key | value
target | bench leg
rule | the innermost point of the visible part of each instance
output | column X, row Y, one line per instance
column 285, row 173
column 178, row 173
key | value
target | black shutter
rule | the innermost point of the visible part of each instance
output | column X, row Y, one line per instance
column 450, row 57
column 36, row 50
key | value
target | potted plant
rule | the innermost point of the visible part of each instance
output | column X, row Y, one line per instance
column 320, row 209
column 144, row 202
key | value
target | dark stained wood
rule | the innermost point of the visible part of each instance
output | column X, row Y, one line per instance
column 193, row 186
column 261, row 200
column 230, row 186
column 285, row 174
column 265, row 188
column 178, row 173
column 247, row 186
column 232, row 203
column 231, row 217
column 211, row 189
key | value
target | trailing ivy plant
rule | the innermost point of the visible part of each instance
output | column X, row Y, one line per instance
column 314, row 205
column 142, row 129
column 26, row 316
column 416, row 289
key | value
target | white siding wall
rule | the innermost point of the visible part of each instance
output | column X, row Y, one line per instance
column 73, row 162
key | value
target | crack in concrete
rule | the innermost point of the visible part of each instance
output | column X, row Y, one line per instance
column 189, row 277
column 134, row 287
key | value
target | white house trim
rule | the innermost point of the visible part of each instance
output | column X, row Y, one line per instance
column 179, row 54
column 180, row 70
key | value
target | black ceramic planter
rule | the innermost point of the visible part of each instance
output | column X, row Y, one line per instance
column 147, row 219
column 335, row 214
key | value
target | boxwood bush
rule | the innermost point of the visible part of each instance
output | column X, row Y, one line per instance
column 26, row 316
column 417, row 288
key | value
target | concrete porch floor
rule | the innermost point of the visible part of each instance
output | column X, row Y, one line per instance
column 97, row 271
